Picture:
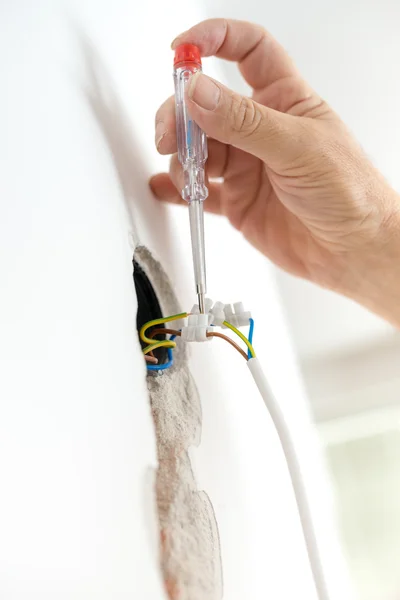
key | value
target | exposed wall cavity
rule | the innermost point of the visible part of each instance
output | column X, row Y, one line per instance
column 190, row 551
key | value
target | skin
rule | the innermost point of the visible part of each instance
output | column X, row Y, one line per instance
column 294, row 181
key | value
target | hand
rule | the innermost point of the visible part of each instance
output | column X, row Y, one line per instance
column 295, row 182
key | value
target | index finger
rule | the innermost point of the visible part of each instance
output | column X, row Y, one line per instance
column 262, row 60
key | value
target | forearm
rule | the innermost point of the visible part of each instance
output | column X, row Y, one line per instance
column 373, row 274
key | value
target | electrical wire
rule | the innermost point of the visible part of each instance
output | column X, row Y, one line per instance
column 170, row 344
column 209, row 334
column 242, row 337
column 294, row 468
column 278, row 419
column 172, row 332
column 170, row 361
column 146, row 326
column 229, row 340
column 151, row 359
column 251, row 333
column 160, row 344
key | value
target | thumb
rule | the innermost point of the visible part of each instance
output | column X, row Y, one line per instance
column 240, row 121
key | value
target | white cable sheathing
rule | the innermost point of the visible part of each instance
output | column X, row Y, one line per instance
column 295, row 475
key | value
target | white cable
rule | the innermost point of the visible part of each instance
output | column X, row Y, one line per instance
column 295, row 475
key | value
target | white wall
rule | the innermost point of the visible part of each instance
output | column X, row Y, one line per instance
column 77, row 513
column 81, row 82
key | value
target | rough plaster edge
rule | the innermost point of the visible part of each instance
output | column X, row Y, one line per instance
column 191, row 564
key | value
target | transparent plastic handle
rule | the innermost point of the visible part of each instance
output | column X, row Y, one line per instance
column 192, row 141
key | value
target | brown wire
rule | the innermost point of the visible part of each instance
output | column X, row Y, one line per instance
column 151, row 359
column 151, row 353
column 160, row 331
column 228, row 339
column 210, row 334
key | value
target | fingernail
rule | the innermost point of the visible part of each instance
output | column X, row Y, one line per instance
column 204, row 91
column 160, row 133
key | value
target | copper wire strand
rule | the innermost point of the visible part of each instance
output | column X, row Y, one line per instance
column 151, row 359
column 210, row 334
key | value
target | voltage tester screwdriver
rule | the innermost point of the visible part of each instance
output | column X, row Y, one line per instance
column 192, row 154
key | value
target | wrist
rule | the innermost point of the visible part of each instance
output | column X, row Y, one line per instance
column 372, row 273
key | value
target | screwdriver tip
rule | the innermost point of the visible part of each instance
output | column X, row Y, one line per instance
column 202, row 304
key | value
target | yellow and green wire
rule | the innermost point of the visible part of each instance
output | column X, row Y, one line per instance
column 251, row 352
column 153, row 344
column 170, row 344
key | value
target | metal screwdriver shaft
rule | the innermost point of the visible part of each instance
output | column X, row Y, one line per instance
column 196, row 217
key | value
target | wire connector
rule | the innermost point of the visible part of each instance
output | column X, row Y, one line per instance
column 237, row 316
column 217, row 314
column 220, row 312
column 197, row 328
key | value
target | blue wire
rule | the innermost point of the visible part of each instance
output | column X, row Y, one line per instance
column 166, row 365
column 251, row 331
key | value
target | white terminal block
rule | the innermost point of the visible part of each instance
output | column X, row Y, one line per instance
column 208, row 305
column 236, row 316
column 217, row 314
column 195, row 310
column 220, row 312
column 197, row 328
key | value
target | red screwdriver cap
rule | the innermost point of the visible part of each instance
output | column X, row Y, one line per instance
column 187, row 53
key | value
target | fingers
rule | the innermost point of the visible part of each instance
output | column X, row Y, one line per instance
column 218, row 155
column 228, row 118
column 262, row 60
column 164, row 189
column 165, row 133
column 240, row 121
column 166, row 142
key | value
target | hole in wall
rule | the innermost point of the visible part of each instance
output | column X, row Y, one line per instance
column 190, row 555
column 148, row 308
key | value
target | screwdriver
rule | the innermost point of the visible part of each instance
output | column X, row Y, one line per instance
column 192, row 154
